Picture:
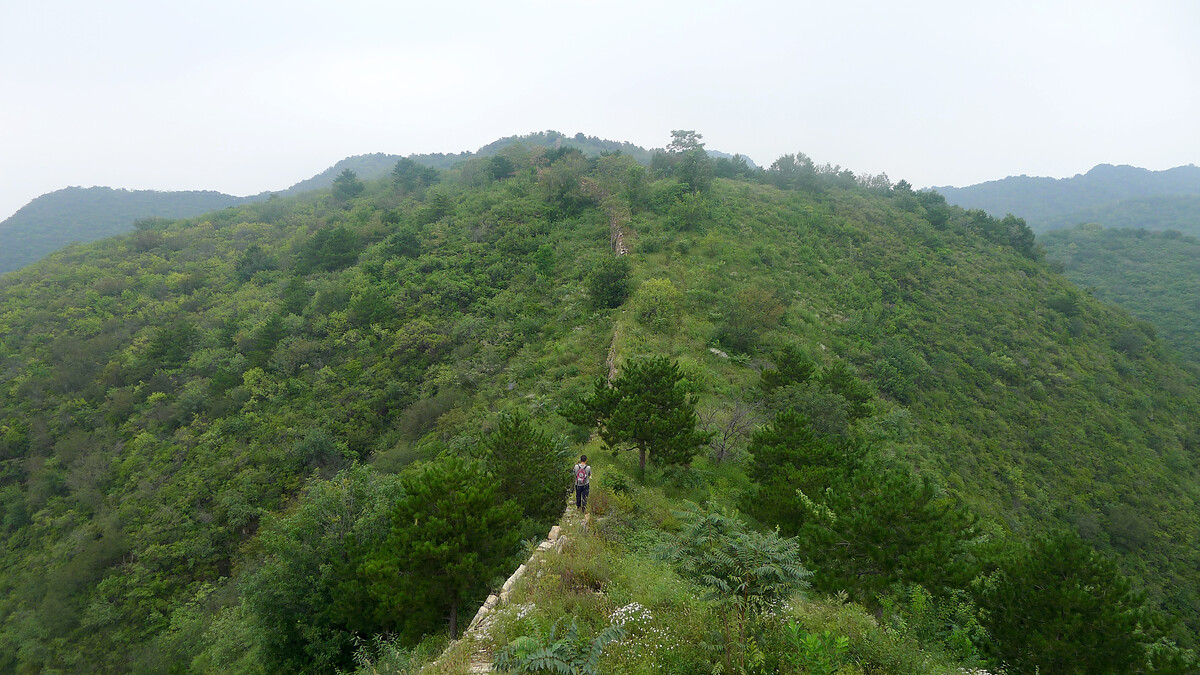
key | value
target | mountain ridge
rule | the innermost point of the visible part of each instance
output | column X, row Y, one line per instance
column 1051, row 203
column 77, row 214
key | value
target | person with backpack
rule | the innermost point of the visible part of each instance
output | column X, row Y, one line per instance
column 583, row 480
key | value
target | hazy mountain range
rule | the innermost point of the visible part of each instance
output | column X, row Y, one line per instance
column 1114, row 196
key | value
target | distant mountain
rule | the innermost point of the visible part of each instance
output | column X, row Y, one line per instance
column 1159, row 213
column 1115, row 196
column 86, row 214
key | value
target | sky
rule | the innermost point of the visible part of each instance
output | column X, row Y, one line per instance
column 256, row 95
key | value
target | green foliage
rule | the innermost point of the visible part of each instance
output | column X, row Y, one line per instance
column 788, row 456
column 77, row 214
column 882, row 525
column 792, row 366
column 657, row 303
column 253, row 261
column 815, row 653
column 138, row 457
column 329, row 250
column 567, row 653
column 747, row 572
column 529, row 465
column 647, row 406
column 609, row 281
column 297, row 599
column 951, row 620
column 1153, row 275
column 451, row 533
column 1056, row 606
column 347, row 186
column 409, row 175
column 749, row 313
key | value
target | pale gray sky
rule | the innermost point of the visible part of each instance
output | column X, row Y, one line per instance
column 255, row 95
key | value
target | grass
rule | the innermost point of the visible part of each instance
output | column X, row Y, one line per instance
column 607, row 572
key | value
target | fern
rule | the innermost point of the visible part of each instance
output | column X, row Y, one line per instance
column 745, row 571
column 568, row 654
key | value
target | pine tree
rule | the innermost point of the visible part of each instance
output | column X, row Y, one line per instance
column 347, row 186
column 1057, row 606
column 789, row 457
column 451, row 533
column 529, row 466
column 883, row 525
column 648, row 407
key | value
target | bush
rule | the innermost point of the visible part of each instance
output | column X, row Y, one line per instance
column 657, row 304
column 609, row 282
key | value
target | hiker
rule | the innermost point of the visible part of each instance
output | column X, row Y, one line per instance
column 583, row 481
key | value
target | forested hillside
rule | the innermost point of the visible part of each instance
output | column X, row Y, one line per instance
column 87, row 214
column 1153, row 275
column 254, row 440
column 1114, row 196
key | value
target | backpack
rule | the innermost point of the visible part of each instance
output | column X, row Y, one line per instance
column 581, row 474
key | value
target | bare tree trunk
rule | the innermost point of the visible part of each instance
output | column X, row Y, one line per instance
column 454, row 620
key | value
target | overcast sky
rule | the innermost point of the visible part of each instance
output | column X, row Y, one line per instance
column 253, row 95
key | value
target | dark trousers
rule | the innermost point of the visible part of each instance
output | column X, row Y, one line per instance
column 581, row 493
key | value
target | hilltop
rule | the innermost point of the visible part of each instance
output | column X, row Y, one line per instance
column 228, row 439
column 1114, row 196
column 77, row 214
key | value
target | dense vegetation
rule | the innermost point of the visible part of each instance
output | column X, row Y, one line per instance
column 1153, row 275
column 86, row 214
column 250, row 441
column 1114, row 196
column 78, row 214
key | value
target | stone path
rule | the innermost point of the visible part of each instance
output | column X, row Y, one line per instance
column 478, row 632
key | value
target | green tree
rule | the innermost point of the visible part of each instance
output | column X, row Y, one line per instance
column 347, row 186
column 690, row 162
column 647, row 407
column 789, row 456
column 330, row 249
column 793, row 365
column 1055, row 605
column 883, row 525
column 684, row 140
column 409, row 176
column 609, row 281
column 303, row 617
column 252, row 261
column 656, row 303
column 451, row 533
column 749, row 313
column 529, row 466
column 294, row 296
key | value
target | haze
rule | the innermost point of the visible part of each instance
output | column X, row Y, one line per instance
column 249, row 96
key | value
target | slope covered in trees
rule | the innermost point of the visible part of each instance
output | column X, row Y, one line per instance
column 1114, row 196
column 254, row 439
column 1153, row 275
column 78, row 214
